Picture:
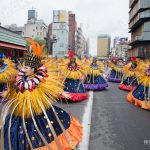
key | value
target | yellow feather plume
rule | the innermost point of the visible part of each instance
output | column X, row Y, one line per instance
column 142, row 77
column 66, row 73
column 9, row 74
column 94, row 72
column 128, row 72
column 49, row 90
column 116, row 68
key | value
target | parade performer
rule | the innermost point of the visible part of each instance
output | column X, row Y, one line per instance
column 129, row 80
column 140, row 96
column 7, row 75
column 94, row 80
column 33, row 122
column 115, row 74
column 74, row 75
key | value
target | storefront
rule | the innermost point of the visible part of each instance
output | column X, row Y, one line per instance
column 12, row 44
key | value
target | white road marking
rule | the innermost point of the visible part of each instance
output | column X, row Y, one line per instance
column 86, row 123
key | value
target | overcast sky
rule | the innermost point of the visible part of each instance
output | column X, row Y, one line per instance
column 97, row 16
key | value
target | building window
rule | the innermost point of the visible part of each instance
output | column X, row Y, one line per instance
column 36, row 28
column 37, row 33
column 33, row 30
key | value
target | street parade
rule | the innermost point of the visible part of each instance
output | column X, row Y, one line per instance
column 79, row 81
column 29, row 92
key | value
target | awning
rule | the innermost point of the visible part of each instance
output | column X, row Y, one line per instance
column 12, row 46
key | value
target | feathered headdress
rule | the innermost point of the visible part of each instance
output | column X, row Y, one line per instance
column 133, row 59
column 114, row 59
column 95, row 59
column 34, row 55
column 71, row 56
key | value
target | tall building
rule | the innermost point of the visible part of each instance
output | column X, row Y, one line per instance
column 120, row 47
column 139, row 25
column 49, row 39
column 72, row 31
column 34, row 28
column 87, row 47
column 80, row 42
column 120, row 40
column 60, row 30
column 60, row 16
column 32, row 14
column 103, row 45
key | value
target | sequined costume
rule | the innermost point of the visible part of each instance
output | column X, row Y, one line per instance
column 33, row 122
column 140, row 95
column 115, row 74
column 94, row 80
column 74, row 74
column 129, row 79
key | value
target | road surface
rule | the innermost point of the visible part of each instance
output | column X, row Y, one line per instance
column 118, row 124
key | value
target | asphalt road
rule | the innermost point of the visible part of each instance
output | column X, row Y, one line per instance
column 118, row 124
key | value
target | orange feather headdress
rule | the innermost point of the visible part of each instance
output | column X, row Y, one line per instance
column 34, row 55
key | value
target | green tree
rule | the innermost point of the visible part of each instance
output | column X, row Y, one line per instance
column 40, row 40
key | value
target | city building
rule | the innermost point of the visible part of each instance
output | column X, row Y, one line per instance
column 118, row 40
column 72, row 31
column 60, row 32
column 80, row 42
column 139, row 25
column 87, row 47
column 63, row 35
column 12, row 44
column 49, row 40
column 15, row 28
column 60, row 16
column 103, row 45
column 34, row 28
column 120, row 48
column 84, row 45
column 32, row 14
column 113, row 52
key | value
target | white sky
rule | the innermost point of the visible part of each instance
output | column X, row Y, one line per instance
column 97, row 16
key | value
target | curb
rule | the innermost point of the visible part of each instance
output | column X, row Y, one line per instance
column 86, row 123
